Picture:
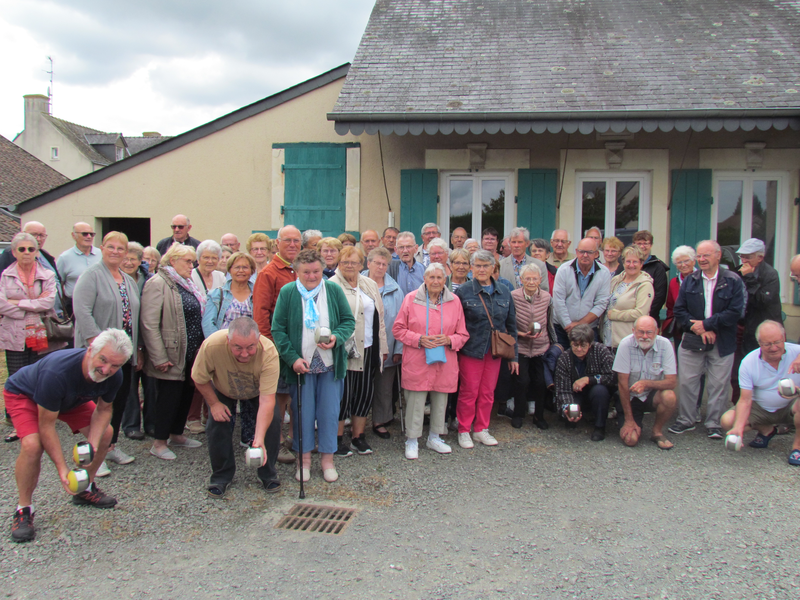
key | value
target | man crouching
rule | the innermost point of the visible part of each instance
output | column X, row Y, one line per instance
column 63, row 385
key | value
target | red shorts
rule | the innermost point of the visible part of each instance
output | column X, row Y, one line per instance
column 24, row 414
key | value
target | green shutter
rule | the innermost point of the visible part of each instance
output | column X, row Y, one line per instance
column 796, row 286
column 419, row 199
column 690, row 212
column 537, row 191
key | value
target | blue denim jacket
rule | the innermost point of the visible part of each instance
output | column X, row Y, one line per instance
column 500, row 306
column 217, row 303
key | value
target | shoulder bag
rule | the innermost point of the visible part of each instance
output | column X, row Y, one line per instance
column 59, row 330
column 433, row 355
column 502, row 343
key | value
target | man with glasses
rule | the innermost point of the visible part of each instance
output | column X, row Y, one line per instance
column 761, row 406
column 180, row 235
column 73, row 262
column 389, row 241
column 407, row 272
column 560, row 242
column 656, row 269
column 458, row 237
column 708, row 307
column 429, row 232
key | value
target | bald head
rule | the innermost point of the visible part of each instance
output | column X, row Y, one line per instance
column 647, row 322
column 290, row 241
column 180, row 228
column 83, row 234
column 231, row 241
column 369, row 240
column 37, row 230
column 645, row 330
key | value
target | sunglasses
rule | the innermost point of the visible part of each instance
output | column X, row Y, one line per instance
column 177, row 226
column 30, row 249
column 86, row 233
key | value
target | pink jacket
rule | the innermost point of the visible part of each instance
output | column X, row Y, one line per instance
column 409, row 327
column 12, row 319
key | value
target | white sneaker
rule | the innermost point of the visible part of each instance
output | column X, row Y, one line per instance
column 465, row 441
column 118, row 456
column 412, row 448
column 485, row 438
column 437, row 445
column 103, row 470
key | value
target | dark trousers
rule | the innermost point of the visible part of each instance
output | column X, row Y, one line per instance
column 172, row 404
column 529, row 381
column 134, row 415
column 121, row 400
column 502, row 391
column 595, row 399
column 219, row 436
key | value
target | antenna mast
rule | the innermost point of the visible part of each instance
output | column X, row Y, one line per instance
column 50, row 88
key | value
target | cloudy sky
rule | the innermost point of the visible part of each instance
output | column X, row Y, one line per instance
column 166, row 65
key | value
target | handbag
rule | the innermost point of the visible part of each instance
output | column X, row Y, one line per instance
column 433, row 355
column 59, row 330
column 694, row 343
column 502, row 343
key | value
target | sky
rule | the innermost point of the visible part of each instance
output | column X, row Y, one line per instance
column 166, row 65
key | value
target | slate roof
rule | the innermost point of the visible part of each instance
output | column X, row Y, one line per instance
column 77, row 135
column 22, row 175
column 139, row 143
column 506, row 59
column 9, row 226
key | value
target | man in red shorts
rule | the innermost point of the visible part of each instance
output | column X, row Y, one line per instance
column 64, row 385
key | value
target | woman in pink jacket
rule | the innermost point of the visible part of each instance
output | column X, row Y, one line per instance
column 432, row 329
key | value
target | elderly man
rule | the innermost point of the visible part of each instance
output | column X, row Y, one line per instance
column 180, row 235
column 581, row 290
column 429, row 232
column 310, row 239
column 407, row 272
column 63, row 385
column 708, row 307
column 760, row 406
column 646, row 377
column 242, row 366
column 763, row 287
column 458, row 237
column 389, row 241
column 656, row 269
column 510, row 267
column 369, row 241
column 231, row 241
column 560, row 242
column 73, row 262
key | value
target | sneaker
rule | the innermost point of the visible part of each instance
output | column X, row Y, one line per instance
column 343, row 450
column 485, row 438
column 715, row 433
column 103, row 470
column 186, row 443
column 465, row 441
column 698, row 418
column 195, row 427
column 679, row 428
column 94, row 496
column 360, row 445
column 285, row 457
column 22, row 528
column 599, row 434
column 437, row 445
column 118, row 456
column 412, row 449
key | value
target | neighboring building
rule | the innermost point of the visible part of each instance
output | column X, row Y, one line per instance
column 681, row 118
column 71, row 149
column 22, row 176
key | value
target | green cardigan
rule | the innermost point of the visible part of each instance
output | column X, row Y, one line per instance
column 287, row 328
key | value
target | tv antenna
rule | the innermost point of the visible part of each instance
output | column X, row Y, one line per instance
column 50, row 87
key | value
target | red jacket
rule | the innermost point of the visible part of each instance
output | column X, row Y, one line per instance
column 265, row 292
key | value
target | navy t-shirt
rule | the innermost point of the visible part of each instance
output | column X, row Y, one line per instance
column 56, row 382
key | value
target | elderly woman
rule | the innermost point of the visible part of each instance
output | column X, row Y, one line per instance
column 472, row 246
column 205, row 274
column 27, row 293
column 439, row 252
column 487, row 306
column 532, row 305
column 302, row 310
column 585, row 376
column 172, row 313
column 347, row 239
column 683, row 257
column 631, row 297
column 611, row 249
column 259, row 246
column 151, row 257
column 132, row 265
column 367, row 350
column 329, row 249
column 222, row 265
column 310, row 238
column 541, row 249
column 106, row 297
column 378, row 262
column 459, row 269
column 432, row 329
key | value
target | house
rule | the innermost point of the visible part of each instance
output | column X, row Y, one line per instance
column 673, row 116
column 71, row 149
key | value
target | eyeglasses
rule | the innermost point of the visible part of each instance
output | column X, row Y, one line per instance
column 680, row 263
column 460, row 263
column 350, row 263
column 178, row 226
column 771, row 344
column 579, row 344
column 793, row 277
column 554, row 241
column 585, row 252
column 479, row 267
column 30, row 249
column 39, row 236
column 240, row 268
column 296, row 242
column 86, row 233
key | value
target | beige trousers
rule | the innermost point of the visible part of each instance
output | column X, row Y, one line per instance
column 415, row 412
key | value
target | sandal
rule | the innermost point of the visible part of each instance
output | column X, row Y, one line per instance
column 761, row 440
column 384, row 435
column 658, row 440
column 12, row 437
column 794, row 458
column 217, row 490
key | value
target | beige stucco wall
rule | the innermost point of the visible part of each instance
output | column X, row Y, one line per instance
column 41, row 137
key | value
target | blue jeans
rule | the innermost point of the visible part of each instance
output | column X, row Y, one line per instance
column 322, row 395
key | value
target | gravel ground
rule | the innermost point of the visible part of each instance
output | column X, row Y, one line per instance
column 545, row 514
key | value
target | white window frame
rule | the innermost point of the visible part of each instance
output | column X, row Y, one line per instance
column 54, row 153
column 783, row 216
column 510, row 216
column 645, row 179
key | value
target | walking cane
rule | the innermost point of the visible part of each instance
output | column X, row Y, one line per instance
column 400, row 398
column 300, row 434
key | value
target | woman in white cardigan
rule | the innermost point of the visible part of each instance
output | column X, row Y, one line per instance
column 631, row 297
column 205, row 274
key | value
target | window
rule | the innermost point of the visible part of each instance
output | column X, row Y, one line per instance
column 618, row 204
column 120, row 153
column 54, row 153
column 476, row 201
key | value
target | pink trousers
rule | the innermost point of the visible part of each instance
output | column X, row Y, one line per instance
column 477, row 379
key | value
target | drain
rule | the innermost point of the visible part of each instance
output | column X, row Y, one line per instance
column 317, row 518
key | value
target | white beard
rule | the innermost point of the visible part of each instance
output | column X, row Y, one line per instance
column 645, row 344
column 96, row 377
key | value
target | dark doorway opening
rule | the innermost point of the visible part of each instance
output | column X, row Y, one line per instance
column 137, row 230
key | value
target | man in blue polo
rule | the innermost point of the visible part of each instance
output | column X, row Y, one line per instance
column 73, row 262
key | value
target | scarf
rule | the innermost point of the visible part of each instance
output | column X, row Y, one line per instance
column 186, row 284
column 310, row 312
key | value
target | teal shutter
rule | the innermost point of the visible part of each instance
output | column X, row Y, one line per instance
column 690, row 213
column 537, row 191
column 796, row 286
column 419, row 199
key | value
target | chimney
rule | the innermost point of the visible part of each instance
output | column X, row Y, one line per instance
column 35, row 104
column 150, row 134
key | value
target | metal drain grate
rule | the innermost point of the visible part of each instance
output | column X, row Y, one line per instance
column 316, row 518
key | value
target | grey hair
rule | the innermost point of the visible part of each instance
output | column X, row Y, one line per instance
column 552, row 235
column 541, row 243
column 435, row 267
column 407, row 234
column 23, row 237
column 770, row 322
column 684, row 251
column 517, row 231
column 243, row 326
column 209, row 246
column 483, row 255
column 439, row 243
column 471, row 241
column 137, row 248
column 530, row 267
column 582, row 333
column 428, row 226
column 310, row 233
column 716, row 245
column 116, row 338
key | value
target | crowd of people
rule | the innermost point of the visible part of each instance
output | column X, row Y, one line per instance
column 336, row 335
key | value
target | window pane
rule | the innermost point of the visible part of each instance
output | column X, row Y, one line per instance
column 765, row 203
column 594, row 205
column 460, row 204
column 626, row 221
column 493, row 202
column 729, row 213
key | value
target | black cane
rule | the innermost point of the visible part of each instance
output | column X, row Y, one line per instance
column 300, row 433
column 400, row 398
